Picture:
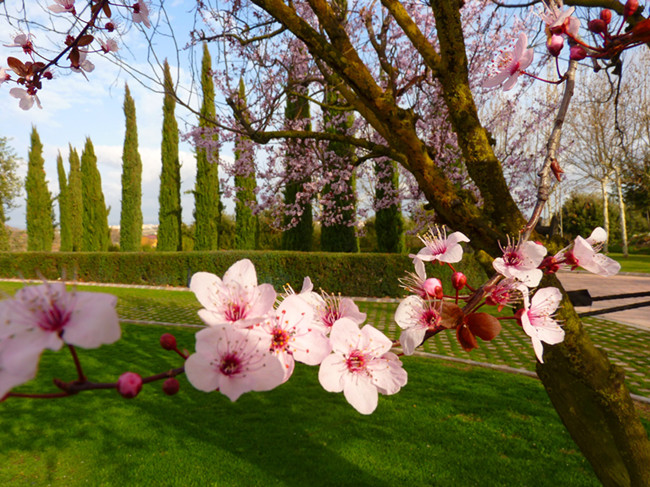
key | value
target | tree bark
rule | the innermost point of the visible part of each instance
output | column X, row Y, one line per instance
column 621, row 209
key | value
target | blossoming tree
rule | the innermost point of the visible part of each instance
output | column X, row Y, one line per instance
column 251, row 345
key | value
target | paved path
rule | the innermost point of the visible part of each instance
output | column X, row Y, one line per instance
column 603, row 286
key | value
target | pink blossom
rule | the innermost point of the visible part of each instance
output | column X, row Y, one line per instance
column 560, row 21
column 45, row 317
column 26, row 98
column 537, row 321
column 141, row 13
column 233, row 361
column 4, row 76
column 61, row 6
column 586, row 254
column 416, row 316
column 236, row 299
column 440, row 247
column 109, row 45
column 129, row 385
column 521, row 261
column 511, row 64
column 293, row 335
column 505, row 293
column 361, row 365
column 83, row 64
column 24, row 41
column 417, row 283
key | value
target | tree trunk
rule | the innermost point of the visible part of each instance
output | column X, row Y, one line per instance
column 621, row 208
column 603, row 189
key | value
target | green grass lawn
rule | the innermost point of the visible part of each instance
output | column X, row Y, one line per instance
column 632, row 263
column 450, row 425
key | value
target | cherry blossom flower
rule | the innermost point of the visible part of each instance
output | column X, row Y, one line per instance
column 4, row 76
column 560, row 21
column 236, row 299
column 520, row 261
column 440, row 247
column 26, row 98
column 233, row 361
column 511, row 64
column 505, row 293
column 141, row 13
column 416, row 316
column 45, row 317
column 83, row 64
column 293, row 336
column 586, row 254
column 24, row 41
column 361, row 365
column 417, row 283
column 537, row 322
column 61, row 6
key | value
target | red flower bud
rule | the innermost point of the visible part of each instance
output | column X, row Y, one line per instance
column 606, row 15
column 630, row 8
column 458, row 280
column 129, row 385
column 518, row 315
column 578, row 53
column 597, row 26
column 433, row 287
column 171, row 386
column 168, row 341
column 110, row 27
column 554, row 44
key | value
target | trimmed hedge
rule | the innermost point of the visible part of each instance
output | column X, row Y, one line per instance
column 372, row 275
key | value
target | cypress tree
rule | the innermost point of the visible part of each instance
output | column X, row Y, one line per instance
column 246, row 223
column 389, row 222
column 207, row 204
column 11, row 186
column 40, row 226
column 75, row 200
column 65, row 230
column 298, row 236
column 169, row 213
column 337, row 227
column 96, row 234
column 131, row 211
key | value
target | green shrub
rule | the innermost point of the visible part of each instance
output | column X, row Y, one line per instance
column 349, row 274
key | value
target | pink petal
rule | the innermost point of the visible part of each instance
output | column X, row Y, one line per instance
column 350, row 310
column 204, row 286
column 330, row 373
column 410, row 339
column 520, row 46
column 243, row 273
column 201, row 373
column 345, row 336
column 94, row 321
column 407, row 310
column 375, row 341
column 360, row 393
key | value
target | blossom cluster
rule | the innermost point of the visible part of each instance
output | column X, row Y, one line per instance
column 252, row 345
column 78, row 45
column 519, row 272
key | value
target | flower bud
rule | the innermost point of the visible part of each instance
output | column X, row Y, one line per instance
column 597, row 26
column 578, row 53
column 110, row 26
column 518, row 315
column 554, row 44
column 458, row 280
column 433, row 287
column 168, row 341
column 129, row 385
column 550, row 265
column 630, row 7
column 606, row 15
column 570, row 259
column 171, row 386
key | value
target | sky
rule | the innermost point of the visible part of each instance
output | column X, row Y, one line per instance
column 75, row 108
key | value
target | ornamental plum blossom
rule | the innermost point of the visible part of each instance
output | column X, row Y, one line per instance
column 521, row 261
column 417, row 283
column 511, row 64
column 361, row 365
column 83, row 64
column 24, row 41
column 27, row 97
column 440, row 247
column 109, row 45
column 293, row 336
column 236, row 299
column 233, row 361
column 560, row 21
column 45, row 317
column 61, row 6
column 537, row 322
column 141, row 13
column 4, row 76
column 586, row 254
column 416, row 316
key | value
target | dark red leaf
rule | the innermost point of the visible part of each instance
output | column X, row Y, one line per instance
column 483, row 325
column 466, row 338
column 85, row 40
column 17, row 66
column 451, row 315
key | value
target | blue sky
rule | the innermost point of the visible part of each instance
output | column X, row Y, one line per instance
column 75, row 108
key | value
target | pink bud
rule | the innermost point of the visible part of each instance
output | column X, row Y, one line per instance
column 129, row 385
column 433, row 287
column 597, row 26
column 606, row 15
column 171, row 386
column 168, row 341
column 630, row 8
column 458, row 280
column 577, row 53
column 554, row 45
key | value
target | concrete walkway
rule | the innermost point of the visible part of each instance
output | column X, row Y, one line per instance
column 604, row 286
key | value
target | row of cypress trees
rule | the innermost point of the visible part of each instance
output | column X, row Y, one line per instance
column 84, row 216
